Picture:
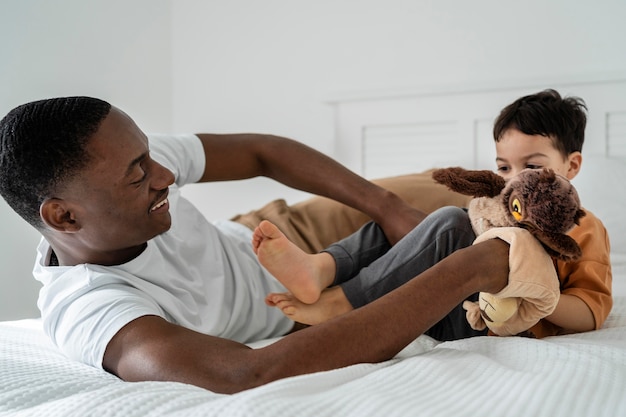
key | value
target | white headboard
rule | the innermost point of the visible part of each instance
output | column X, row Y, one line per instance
column 390, row 133
column 395, row 133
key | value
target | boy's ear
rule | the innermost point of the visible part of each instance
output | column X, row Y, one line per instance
column 58, row 215
column 575, row 162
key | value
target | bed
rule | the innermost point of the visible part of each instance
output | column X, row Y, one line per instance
column 574, row 375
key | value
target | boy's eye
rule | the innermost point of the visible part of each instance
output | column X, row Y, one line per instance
column 503, row 168
column 533, row 166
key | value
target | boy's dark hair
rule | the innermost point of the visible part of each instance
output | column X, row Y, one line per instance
column 42, row 145
column 548, row 114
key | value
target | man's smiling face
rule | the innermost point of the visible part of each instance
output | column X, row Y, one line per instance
column 120, row 198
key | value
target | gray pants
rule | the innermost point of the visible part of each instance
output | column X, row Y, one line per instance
column 369, row 267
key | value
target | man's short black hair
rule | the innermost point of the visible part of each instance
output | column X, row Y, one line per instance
column 42, row 145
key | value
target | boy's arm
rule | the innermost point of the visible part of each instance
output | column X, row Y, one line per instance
column 586, row 298
column 241, row 156
column 572, row 313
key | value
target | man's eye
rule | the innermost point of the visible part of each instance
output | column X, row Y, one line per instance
column 140, row 180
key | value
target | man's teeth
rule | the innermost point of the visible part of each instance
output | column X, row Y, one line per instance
column 159, row 205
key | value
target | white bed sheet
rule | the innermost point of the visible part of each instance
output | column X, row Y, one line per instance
column 577, row 375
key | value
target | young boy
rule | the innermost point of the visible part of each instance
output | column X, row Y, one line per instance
column 542, row 130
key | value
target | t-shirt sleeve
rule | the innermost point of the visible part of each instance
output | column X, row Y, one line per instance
column 86, row 325
column 182, row 154
column 590, row 278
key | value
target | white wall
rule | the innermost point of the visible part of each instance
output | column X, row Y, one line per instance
column 269, row 66
column 116, row 50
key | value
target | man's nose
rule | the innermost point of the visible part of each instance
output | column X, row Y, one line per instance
column 162, row 177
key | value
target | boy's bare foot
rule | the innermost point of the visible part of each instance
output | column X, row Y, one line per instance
column 331, row 303
column 304, row 275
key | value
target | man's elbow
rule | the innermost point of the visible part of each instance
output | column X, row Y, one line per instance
column 150, row 349
column 218, row 375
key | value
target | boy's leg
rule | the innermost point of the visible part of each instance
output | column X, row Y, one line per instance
column 440, row 234
column 316, row 223
column 357, row 251
column 307, row 275
column 443, row 232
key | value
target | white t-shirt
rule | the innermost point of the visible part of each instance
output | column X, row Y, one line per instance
column 199, row 275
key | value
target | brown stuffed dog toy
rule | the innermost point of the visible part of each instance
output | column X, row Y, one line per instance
column 532, row 212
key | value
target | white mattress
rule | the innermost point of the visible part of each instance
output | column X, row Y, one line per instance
column 578, row 375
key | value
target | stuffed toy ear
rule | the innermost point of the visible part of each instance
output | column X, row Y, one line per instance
column 477, row 183
column 580, row 213
column 558, row 245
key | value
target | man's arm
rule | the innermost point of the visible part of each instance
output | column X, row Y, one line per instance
column 241, row 156
column 149, row 348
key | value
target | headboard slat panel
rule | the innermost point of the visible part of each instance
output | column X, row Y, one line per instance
column 387, row 134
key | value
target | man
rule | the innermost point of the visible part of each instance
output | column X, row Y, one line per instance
column 138, row 283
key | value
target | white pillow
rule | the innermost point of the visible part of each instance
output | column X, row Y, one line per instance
column 602, row 190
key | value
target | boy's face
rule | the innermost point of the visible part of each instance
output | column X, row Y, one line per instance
column 516, row 151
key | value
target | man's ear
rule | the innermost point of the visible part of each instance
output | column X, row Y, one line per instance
column 58, row 215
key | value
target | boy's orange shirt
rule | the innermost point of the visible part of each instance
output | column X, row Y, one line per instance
column 590, row 278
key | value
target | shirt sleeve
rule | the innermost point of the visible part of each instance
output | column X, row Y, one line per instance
column 86, row 325
column 182, row 154
column 590, row 278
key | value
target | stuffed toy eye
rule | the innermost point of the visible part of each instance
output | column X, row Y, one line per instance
column 516, row 209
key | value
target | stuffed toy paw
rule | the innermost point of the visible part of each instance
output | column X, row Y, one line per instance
column 533, row 289
column 490, row 308
column 532, row 212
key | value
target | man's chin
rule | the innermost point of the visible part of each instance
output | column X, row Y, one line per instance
column 168, row 226
column 163, row 228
